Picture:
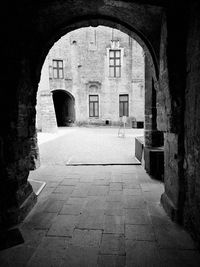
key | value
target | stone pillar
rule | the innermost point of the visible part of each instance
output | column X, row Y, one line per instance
column 16, row 194
column 171, row 102
column 153, row 152
column 153, row 137
column 46, row 118
column 34, row 153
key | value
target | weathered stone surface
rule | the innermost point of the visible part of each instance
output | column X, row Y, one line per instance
column 50, row 252
column 114, row 224
column 64, row 189
column 112, row 244
column 53, row 205
column 98, row 190
column 86, row 238
column 132, row 202
column 139, row 232
column 40, row 220
column 142, row 253
column 173, row 237
column 73, row 209
column 114, row 208
column 137, row 216
column 91, row 220
column 132, row 192
column 63, row 225
column 115, row 186
column 72, row 181
column 111, row 261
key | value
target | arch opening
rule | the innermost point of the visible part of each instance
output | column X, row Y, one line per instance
column 64, row 107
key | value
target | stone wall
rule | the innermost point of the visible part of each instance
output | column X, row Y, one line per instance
column 192, row 125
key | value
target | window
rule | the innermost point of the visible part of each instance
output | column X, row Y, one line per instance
column 58, row 69
column 115, row 63
column 93, row 105
column 123, row 105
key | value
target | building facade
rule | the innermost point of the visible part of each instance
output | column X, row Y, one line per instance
column 92, row 76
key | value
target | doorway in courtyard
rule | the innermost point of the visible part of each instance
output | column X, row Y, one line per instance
column 64, row 107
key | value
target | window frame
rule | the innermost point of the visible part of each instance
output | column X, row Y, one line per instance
column 123, row 102
column 115, row 66
column 57, row 68
column 94, row 115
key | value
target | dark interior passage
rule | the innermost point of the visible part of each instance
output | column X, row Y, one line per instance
column 64, row 108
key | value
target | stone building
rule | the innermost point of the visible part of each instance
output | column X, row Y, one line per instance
column 95, row 76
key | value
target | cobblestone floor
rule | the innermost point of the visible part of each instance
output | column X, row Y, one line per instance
column 100, row 216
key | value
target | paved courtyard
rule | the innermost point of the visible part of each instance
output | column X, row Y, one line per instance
column 99, row 216
column 83, row 145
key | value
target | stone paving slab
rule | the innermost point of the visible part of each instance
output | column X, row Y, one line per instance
column 98, row 190
column 76, row 256
column 95, row 203
column 86, row 238
column 72, row 181
column 132, row 192
column 20, row 255
column 112, row 244
column 116, row 186
column 111, row 261
column 176, row 257
column 173, row 237
column 115, row 197
column 134, row 202
column 64, row 189
column 59, row 196
column 114, row 224
column 77, row 201
column 53, row 205
column 40, row 220
column 74, row 209
column 142, row 254
column 91, row 220
column 63, row 225
column 114, row 208
column 137, row 216
column 126, row 227
column 140, row 232
column 50, row 252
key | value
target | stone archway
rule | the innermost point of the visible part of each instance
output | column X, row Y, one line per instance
column 64, row 107
column 28, row 101
column 45, row 24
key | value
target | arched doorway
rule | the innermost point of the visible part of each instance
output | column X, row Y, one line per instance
column 64, row 107
column 110, row 16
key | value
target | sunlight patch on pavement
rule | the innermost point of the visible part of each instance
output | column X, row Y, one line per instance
column 46, row 137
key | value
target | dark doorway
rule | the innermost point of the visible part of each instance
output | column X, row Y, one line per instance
column 64, row 108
